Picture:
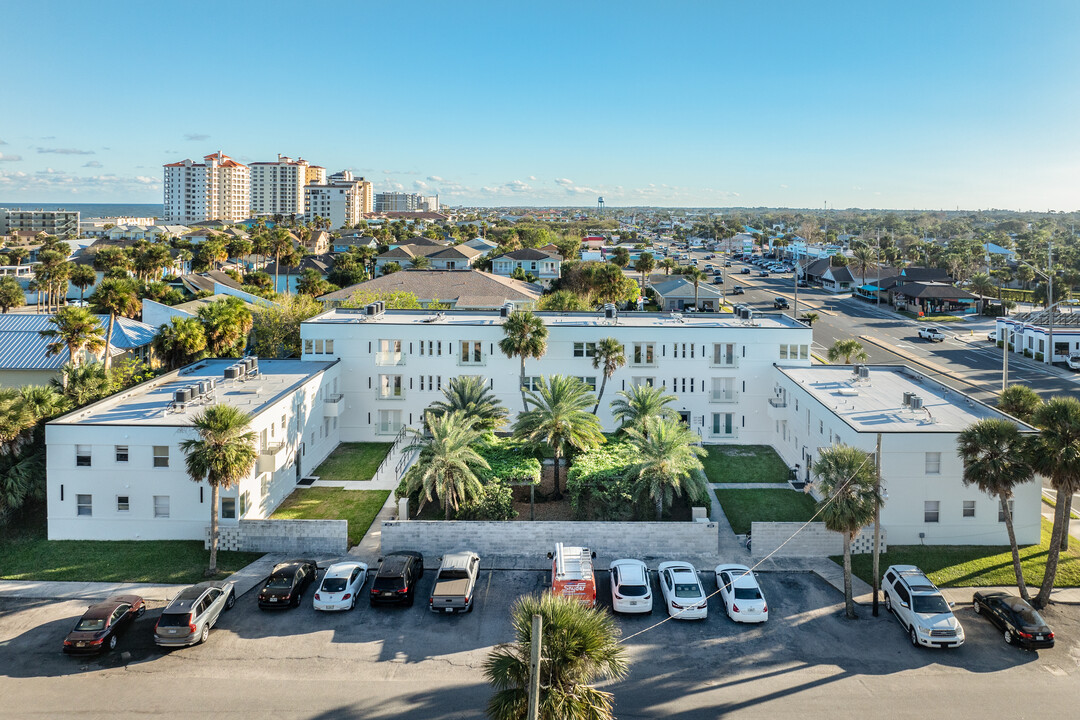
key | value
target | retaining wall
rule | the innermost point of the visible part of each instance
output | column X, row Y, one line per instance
column 814, row 540
column 284, row 536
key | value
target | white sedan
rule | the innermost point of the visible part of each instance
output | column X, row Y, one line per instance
column 684, row 597
column 630, row 590
column 341, row 586
column 741, row 594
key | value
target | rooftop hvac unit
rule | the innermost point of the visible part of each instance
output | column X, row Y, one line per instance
column 381, row 305
column 864, row 372
column 183, row 395
column 505, row 310
column 609, row 311
column 255, row 364
column 371, row 309
column 232, row 372
column 204, row 387
column 248, row 364
column 907, row 398
column 195, row 390
column 916, row 402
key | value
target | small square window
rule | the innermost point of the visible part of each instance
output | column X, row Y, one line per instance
column 931, row 510
column 969, row 508
column 121, row 453
column 122, row 504
column 161, row 456
column 82, row 456
column 933, row 463
column 161, row 506
column 84, row 505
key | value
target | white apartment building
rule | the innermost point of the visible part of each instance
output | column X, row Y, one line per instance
column 405, row 202
column 218, row 188
column 50, row 222
column 116, row 470
column 811, row 408
column 396, row 363
column 278, row 187
column 343, row 200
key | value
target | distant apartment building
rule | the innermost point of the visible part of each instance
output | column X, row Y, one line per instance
column 51, row 222
column 218, row 188
column 405, row 202
column 342, row 199
column 277, row 188
column 315, row 175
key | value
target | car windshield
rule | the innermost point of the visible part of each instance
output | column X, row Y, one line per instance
column 174, row 619
column 277, row 582
column 747, row 594
column 929, row 604
column 687, row 590
column 634, row 590
column 454, row 574
column 91, row 625
column 333, row 584
column 1028, row 617
column 388, row 583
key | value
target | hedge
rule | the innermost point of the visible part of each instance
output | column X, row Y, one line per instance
column 597, row 483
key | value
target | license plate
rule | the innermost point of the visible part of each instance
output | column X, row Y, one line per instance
column 388, row 594
column 81, row 644
column 633, row 602
column 173, row 631
column 273, row 599
column 449, row 610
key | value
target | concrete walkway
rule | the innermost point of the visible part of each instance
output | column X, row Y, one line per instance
column 369, row 549
column 750, row 486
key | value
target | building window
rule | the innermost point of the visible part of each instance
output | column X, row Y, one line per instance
column 122, row 503
column 161, row 506
column 584, row 349
column 969, row 508
column 390, row 386
column 318, row 347
column 638, row 381
column 84, row 505
column 244, row 503
column 644, row 354
column 933, row 463
column 931, row 509
column 82, row 456
column 228, row 508
column 329, row 347
column 532, row 384
column 1001, row 513
column 121, row 453
column 590, row 382
column 161, row 456
column 308, row 347
column 723, row 423
column 724, row 354
column 471, row 352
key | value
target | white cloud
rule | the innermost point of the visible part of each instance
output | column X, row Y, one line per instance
column 783, row 187
column 52, row 180
column 517, row 186
column 196, row 137
column 92, row 164
column 420, row 185
column 9, row 158
column 565, row 182
column 532, row 178
column 65, row 151
column 435, row 178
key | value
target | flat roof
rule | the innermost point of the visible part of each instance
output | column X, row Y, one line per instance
column 772, row 320
column 876, row 404
column 148, row 403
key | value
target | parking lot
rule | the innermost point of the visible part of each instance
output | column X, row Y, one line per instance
column 385, row 662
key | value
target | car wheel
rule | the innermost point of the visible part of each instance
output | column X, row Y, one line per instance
column 352, row 603
column 471, row 603
column 1008, row 636
column 976, row 607
column 205, row 633
column 888, row 602
column 140, row 612
column 112, row 642
column 914, row 636
column 230, row 601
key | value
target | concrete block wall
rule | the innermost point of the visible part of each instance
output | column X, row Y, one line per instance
column 814, row 540
column 284, row 536
column 670, row 540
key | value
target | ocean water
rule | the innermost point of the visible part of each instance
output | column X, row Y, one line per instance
column 92, row 210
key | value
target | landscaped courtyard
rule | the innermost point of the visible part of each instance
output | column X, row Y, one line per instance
column 353, row 461
column 359, row 507
column 743, row 507
column 744, row 464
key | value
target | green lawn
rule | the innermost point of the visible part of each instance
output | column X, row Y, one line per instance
column 359, row 507
column 744, row 464
column 976, row 566
column 353, row 461
column 745, row 506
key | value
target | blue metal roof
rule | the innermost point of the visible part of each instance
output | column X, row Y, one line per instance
column 23, row 348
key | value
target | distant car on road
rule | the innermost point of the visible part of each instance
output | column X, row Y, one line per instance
column 340, row 586
column 737, row 290
column 780, row 303
column 1019, row 622
column 187, row 619
column 630, row 589
column 763, row 273
column 455, row 584
column 746, row 271
column 718, row 280
column 931, row 334
column 102, row 623
column 741, row 594
column 286, row 584
column 684, row 597
column 804, row 283
column 992, row 336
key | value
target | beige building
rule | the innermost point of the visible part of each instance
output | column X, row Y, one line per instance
column 218, row 188
column 343, row 199
column 278, row 187
column 315, row 175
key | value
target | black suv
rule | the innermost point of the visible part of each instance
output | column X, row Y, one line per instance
column 396, row 580
column 287, row 583
column 779, row 303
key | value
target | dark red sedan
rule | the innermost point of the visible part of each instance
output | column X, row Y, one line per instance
column 101, row 624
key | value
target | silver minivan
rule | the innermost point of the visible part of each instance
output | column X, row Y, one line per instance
column 188, row 618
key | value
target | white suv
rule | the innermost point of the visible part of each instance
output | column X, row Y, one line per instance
column 919, row 606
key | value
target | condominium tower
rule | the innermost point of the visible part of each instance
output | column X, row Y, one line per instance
column 218, row 188
column 277, row 188
column 342, row 199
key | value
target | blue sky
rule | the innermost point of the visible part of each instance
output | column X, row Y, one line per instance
column 858, row 104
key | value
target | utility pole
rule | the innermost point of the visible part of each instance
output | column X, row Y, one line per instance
column 877, row 524
column 1050, row 298
column 534, row 667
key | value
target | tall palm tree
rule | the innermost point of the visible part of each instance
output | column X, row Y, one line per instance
column 179, row 342
column 846, row 479
column 578, row 646
column 610, row 355
column 82, row 277
column 1056, row 456
column 996, row 459
column 278, row 244
column 114, row 296
column 864, row 258
column 83, row 384
column 222, row 454
column 560, row 419
column 1020, row 401
column 695, row 276
column 74, row 328
column 640, row 402
column 669, row 463
column 982, row 285
column 447, row 463
column 645, row 264
column 668, row 264
column 526, row 336
column 474, row 399
column 849, row 349
column 226, row 324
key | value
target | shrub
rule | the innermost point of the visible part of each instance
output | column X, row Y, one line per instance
column 1039, row 356
column 496, row 504
column 598, row 486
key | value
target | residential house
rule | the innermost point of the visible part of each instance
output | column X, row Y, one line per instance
column 458, row 289
column 546, row 266
column 676, row 293
column 926, row 298
column 440, row 257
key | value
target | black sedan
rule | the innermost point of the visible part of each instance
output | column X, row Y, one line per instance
column 286, row 584
column 1018, row 621
column 101, row 624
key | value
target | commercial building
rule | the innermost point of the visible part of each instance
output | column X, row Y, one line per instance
column 218, row 188
column 343, row 199
column 1029, row 334
column 50, row 222
column 277, row 188
column 405, row 202
column 116, row 470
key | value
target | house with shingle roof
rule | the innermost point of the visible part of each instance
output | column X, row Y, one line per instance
column 460, row 289
column 439, row 255
column 677, row 293
column 540, row 263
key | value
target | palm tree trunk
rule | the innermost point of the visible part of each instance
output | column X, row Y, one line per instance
column 603, row 383
column 277, row 265
column 1020, row 584
column 849, row 604
column 1068, row 519
column 108, row 341
column 659, row 507
column 212, row 570
column 524, row 402
column 1052, row 556
column 558, row 488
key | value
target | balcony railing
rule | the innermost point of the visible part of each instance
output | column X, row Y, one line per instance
column 778, row 402
column 473, row 363
column 332, row 405
column 268, row 456
column 390, row 393
column 720, row 396
column 389, row 358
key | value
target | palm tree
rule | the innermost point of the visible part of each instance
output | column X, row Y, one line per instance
column 16, row 420
column 526, row 336
column 83, row 384
column 578, row 646
column 447, row 463
column 810, row 318
column 1020, row 401
column 474, row 399
column 695, row 276
column 74, row 328
column 669, row 462
column 996, row 459
column 610, row 355
column 864, row 258
column 645, row 265
column 1056, row 456
column 279, row 242
column 420, row 262
column 668, row 264
column 640, row 402
column 222, row 454
column 114, row 296
column 180, row 341
column 846, row 479
column 982, row 285
column 226, row 324
column 11, row 293
column 560, row 419
column 850, row 349
column 82, row 277
column 42, row 401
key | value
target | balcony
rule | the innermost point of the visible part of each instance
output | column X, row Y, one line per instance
column 720, row 396
column 268, row 456
column 385, row 359
column 472, row 363
column 332, row 405
column 778, row 402
column 390, row 393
